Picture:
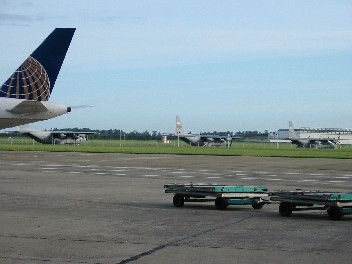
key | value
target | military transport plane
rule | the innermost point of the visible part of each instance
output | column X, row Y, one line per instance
column 309, row 142
column 24, row 96
column 199, row 139
column 56, row 137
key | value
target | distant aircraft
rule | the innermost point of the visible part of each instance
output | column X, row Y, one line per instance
column 199, row 139
column 310, row 142
column 56, row 137
column 24, row 96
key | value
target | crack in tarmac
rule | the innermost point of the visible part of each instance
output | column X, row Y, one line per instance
column 160, row 247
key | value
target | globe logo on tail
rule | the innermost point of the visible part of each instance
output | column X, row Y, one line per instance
column 30, row 81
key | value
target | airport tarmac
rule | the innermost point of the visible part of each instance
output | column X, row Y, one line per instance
column 111, row 208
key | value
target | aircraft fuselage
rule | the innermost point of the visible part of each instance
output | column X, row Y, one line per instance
column 50, row 137
column 197, row 140
column 12, row 113
column 317, row 144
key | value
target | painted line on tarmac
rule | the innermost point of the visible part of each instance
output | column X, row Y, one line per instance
column 307, row 181
column 20, row 164
column 210, row 173
column 336, row 181
column 238, row 171
column 56, row 165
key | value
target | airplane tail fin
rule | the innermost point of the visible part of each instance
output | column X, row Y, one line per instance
column 179, row 128
column 36, row 77
column 291, row 131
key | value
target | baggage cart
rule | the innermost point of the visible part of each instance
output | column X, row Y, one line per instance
column 336, row 204
column 222, row 195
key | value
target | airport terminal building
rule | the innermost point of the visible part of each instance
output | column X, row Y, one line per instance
column 343, row 135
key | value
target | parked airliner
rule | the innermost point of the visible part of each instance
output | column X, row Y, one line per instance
column 200, row 139
column 24, row 96
column 55, row 137
column 311, row 142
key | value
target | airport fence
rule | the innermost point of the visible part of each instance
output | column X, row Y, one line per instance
column 154, row 143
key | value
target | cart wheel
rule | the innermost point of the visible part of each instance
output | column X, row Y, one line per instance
column 220, row 203
column 178, row 200
column 334, row 213
column 258, row 206
column 285, row 209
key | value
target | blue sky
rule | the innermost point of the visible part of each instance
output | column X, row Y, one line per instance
column 220, row 65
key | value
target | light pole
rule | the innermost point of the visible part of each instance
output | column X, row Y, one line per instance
column 277, row 140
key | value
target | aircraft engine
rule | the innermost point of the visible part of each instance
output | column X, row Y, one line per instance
column 75, row 136
column 61, row 136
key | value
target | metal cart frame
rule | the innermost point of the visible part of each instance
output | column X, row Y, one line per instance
column 336, row 204
column 223, row 195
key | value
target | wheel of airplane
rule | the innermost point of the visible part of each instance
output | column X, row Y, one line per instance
column 285, row 209
column 178, row 200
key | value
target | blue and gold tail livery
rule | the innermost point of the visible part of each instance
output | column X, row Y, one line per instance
column 35, row 78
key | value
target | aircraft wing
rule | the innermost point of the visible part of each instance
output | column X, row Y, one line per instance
column 214, row 137
column 218, row 138
column 334, row 140
column 69, row 134
column 28, row 106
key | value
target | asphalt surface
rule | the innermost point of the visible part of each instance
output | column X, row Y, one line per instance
column 111, row 208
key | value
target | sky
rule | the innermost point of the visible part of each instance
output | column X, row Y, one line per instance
column 220, row 65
